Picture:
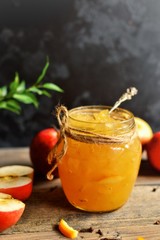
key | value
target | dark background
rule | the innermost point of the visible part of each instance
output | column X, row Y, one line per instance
column 97, row 49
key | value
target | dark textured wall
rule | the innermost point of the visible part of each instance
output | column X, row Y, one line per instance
column 97, row 48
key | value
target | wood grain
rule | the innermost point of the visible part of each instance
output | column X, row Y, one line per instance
column 47, row 205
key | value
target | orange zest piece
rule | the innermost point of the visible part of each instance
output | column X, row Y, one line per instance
column 140, row 238
column 66, row 230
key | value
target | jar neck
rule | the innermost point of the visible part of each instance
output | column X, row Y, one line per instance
column 119, row 123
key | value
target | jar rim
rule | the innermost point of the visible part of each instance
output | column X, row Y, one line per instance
column 97, row 108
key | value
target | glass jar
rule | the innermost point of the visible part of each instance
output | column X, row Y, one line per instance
column 102, row 160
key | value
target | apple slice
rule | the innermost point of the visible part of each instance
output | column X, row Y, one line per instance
column 17, row 180
column 11, row 211
column 19, row 187
column 5, row 195
column 16, row 171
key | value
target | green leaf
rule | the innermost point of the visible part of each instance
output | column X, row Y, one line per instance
column 43, row 73
column 27, row 98
column 35, row 90
column 3, row 91
column 14, row 104
column 13, row 85
column 39, row 91
column 52, row 86
column 5, row 105
column 21, row 87
column 46, row 93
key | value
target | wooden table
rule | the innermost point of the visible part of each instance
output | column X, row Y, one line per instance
column 140, row 216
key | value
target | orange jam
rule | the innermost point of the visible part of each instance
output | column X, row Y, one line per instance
column 101, row 164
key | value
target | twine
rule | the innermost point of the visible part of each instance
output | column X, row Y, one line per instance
column 81, row 135
column 54, row 157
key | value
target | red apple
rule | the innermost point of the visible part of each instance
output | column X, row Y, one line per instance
column 144, row 130
column 11, row 211
column 41, row 145
column 153, row 151
column 17, row 181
